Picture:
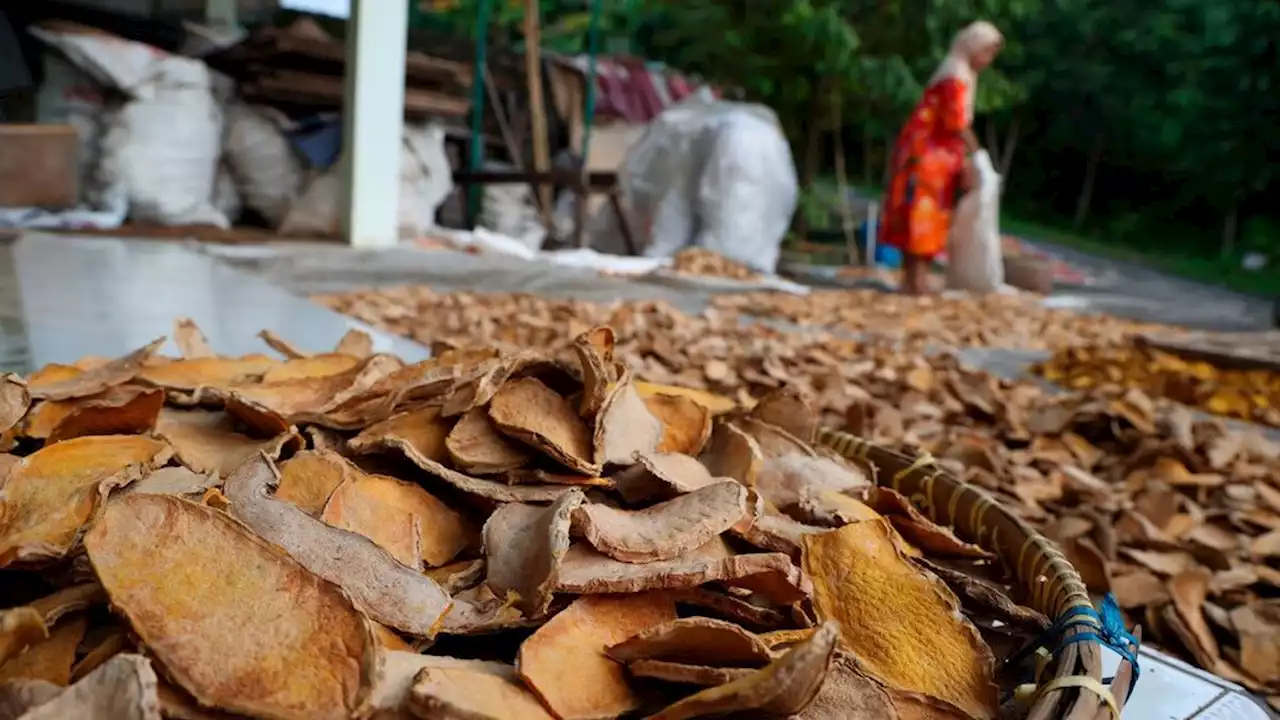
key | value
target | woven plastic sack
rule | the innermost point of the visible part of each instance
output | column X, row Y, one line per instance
column 975, row 261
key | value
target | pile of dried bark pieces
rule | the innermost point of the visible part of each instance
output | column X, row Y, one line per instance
column 480, row 535
column 708, row 263
column 1179, row 516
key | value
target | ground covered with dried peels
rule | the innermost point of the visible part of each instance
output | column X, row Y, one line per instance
column 1176, row 514
column 485, row 534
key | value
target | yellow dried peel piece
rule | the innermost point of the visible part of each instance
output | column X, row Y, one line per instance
column 352, row 507
column 473, row 694
column 695, row 641
column 50, row 659
column 20, row 627
column 536, row 415
column 208, row 441
column 53, row 493
column 124, row 688
column 442, row 533
column 686, row 425
column 666, row 530
column 903, row 623
column 524, row 546
column 259, row 636
column 564, row 661
column 476, row 446
column 717, row 404
column 310, row 477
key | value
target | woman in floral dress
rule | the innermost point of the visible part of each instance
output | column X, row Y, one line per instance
column 930, row 158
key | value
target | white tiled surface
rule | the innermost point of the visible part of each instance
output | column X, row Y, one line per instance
column 1169, row 689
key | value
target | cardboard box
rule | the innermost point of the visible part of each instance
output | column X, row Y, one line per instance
column 39, row 166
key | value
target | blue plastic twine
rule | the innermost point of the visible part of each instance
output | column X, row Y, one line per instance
column 1107, row 629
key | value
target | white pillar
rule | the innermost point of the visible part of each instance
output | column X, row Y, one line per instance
column 373, row 121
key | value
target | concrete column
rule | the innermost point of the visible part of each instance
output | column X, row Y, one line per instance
column 373, row 122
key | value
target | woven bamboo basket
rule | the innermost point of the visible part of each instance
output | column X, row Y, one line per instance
column 1069, row 682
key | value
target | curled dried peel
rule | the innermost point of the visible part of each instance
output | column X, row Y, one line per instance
column 524, row 545
column 175, row 481
column 685, row 673
column 717, row 404
column 575, row 639
column 315, row 366
column 208, row 441
column 624, row 426
column 595, row 353
column 19, row 696
column 121, row 410
column 536, row 415
column 666, row 530
column 919, row 530
column 50, row 659
column 476, row 446
column 789, row 409
column 663, row 475
column 389, row 592
column 308, row 479
column 400, row 669
column 94, row 381
column 197, row 373
column 14, row 401
column 356, row 343
column 53, row 493
column 785, row 687
column 686, row 425
column 473, row 694
column 420, row 437
column 587, row 572
column 694, row 641
column 260, row 636
column 442, row 532
column 904, row 625
column 395, row 530
column 124, row 688
column 190, row 340
column 114, row 642
column 733, row 453
column 791, row 479
column 20, row 628
column 282, row 346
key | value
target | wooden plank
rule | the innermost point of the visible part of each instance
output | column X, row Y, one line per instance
column 597, row 181
column 329, row 91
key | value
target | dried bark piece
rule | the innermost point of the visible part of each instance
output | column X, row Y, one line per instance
column 52, row 494
column 903, row 623
column 981, row 595
column 20, row 628
column 177, row 704
column 395, row 530
column 785, row 687
column 315, row 366
column 535, row 476
column 595, row 353
column 92, row 382
column 792, row 479
column 208, row 441
column 666, row 530
column 625, row 426
column 190, row 340
column 176, row 480
column 309, row 478
column 114, row 642
column 356, row 343
column 733, row 453
column 442, row 533
column 476, row 446
column 575, row 639
column 400, row 670
column 479, row 611
column 50, row 659
column 534, row 414
column 919, row 530
column 121, row 410
column 420, row 436
column 292, row 644
column 663, row 475
column 728, row 606
column 458, row 576
column 19, row 696
column 717, row 404
column 474, row 695
column 14, row 401
column 694, row 641
column 773, row 441
column 788, row 409
column 282, row 346
column 850, row 694
column 587, row 572
column 524, row 545
column 1188, row 590
column 215, row 372
column 389, row 592
column 124, row 688
column 1259, row 631
column 686, row 425
column 683, row 673
column 774, row 532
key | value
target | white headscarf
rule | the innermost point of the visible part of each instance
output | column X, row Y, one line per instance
column 973, row 39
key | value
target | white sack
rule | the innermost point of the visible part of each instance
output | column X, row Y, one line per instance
column 974, row 261
column 267, row 170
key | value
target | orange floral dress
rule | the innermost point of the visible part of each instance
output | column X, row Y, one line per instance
column 927, row 161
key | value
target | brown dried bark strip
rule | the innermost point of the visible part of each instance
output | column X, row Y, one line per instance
column 661, row 476
column 475, row 446
column 389, row 592
column 124, row 688
column 575, row 640
column 666, row 530
column 624, row 426
column 308, row 479
column 207, row 441
column 903, row 623
column 785, row 687
column 19, row 696
column 52, row 494
column 695, row 641
column 175, row 480
column 92, row 382
column 14, row 401
column 534, row 414
column 524, row 546
column 685, row 673
column 260, row 636
column 393, row 529
column 50, row 659
column 190, row 340
column 473, row 694
column 121, row 410
column 686, row 425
